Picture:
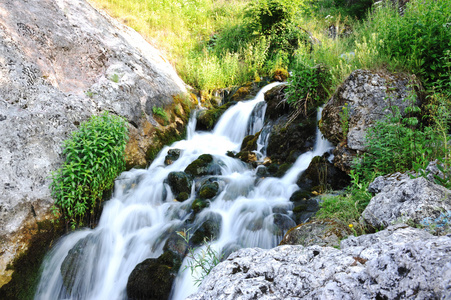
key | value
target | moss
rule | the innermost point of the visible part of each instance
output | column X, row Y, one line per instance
column 163, row 138
column 182, row 196
column 26, row 266
column 250, row 142
column 200, row 166
column 209, row 190
column 199, row 204
column 283, row 169
column 207, row 119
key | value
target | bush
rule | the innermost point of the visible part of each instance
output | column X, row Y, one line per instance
column 94, row 157
column 419, row 40
column 307, row 86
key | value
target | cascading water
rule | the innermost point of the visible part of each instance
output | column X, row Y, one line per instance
column 136, row 222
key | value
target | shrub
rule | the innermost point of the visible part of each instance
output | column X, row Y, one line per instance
column 307, row 86
column 419, row 40
column 94, row 157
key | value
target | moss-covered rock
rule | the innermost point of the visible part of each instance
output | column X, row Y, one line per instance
column 250, row 142
column 202, row 166
column 305, row 207
column 208, row 227
column 180, row 182
column 173, row 155
column 321, row 175
column 182, row 196
column 199, row 204
column 288, row 138
column 282, row 223
column 209, row 190
column 247, row 156
column 207, row 119
column 152, row 279
column 277, row 106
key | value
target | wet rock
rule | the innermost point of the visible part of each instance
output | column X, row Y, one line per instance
column 173, row 155
column 282, row 223
column 182, row 196
column 250, row 142
column 247, row 156
column 402, row 199
column 207, row 119
column 202, row 166
column 305, row 207
column 199, row 204
column 321, row 175
column 276, row 101
column 152, row 279
column 367, row 96
column 318, row 232
column 283, row 168
column 287, row 137
column 209, row 190
column 78, row 276
column 180, row 182
column 398, row 262
column 261, row 172
column 208, row 226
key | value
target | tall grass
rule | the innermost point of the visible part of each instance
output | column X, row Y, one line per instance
column 181, row 29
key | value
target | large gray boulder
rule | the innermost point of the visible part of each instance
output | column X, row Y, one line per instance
column 402, row 199
column 397, row 263
column 368, row 96
column 60, row 62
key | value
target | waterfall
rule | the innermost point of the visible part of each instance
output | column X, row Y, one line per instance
column 136, row 222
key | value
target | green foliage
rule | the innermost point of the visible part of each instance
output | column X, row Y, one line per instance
column 205, row 258
column 159, row 111
column 344, row 117
column 114, row 78
column 94, row 157
column 307, row 86
column 419, row 40
column 264, row 16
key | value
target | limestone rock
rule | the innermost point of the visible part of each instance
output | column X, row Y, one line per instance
column 399, row 262
column 368, row 97
column 401, row 199
column 60, row 62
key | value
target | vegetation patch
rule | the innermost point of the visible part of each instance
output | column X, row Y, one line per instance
column 94, row 157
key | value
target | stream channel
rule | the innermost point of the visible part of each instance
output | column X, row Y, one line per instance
column 142, row 214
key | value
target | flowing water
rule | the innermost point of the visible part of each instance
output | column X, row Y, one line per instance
column 136, row 222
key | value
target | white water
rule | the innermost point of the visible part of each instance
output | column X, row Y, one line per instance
column 137, row 220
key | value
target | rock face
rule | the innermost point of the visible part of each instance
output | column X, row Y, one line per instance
column 60, row 62
column 367, row 97
column 291, row 133
column 401, row 199
column 397, row 263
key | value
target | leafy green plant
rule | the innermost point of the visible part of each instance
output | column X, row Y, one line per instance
column 307, row 86
column 94, row 157
column 114, row 78
column 344, row 119
column 205, row 258
column 417, row 40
